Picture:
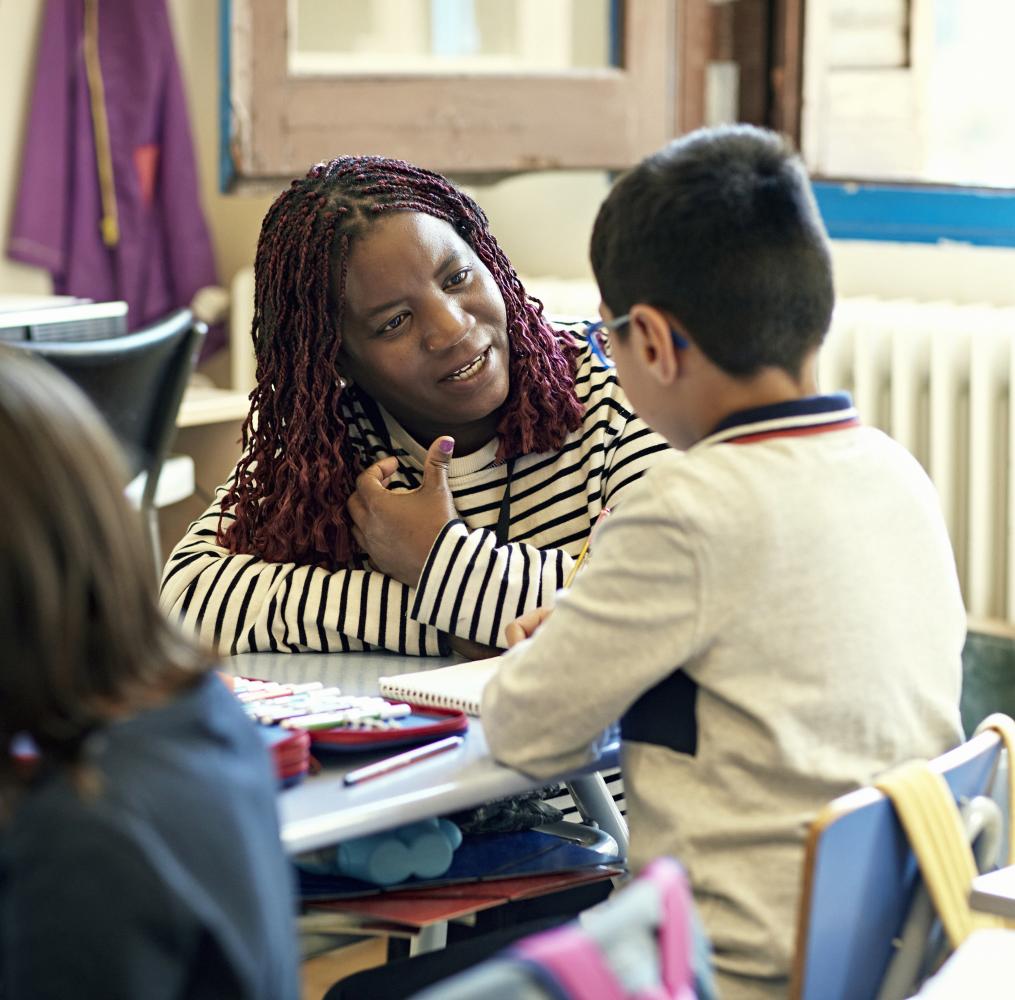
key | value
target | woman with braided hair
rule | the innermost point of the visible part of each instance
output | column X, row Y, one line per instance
column 425, row 454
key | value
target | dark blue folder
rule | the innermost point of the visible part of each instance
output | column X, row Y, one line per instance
column 480, row 857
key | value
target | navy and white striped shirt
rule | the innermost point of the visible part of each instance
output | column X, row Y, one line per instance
column 471, row 586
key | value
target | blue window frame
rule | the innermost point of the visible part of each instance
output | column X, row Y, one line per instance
column 909, row 214
column 227, row 172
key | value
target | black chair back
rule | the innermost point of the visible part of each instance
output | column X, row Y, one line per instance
column 136, row 382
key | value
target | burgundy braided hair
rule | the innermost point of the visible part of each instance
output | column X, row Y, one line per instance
column 298, row 469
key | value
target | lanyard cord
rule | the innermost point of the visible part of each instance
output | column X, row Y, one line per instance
column 504, row 515
column 109, row 224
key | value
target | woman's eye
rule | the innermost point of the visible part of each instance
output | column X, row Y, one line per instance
column 394, row 323
column 458, row 278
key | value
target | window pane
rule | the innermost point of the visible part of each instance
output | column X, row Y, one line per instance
column 335, row 37
column 910, row 90
column 970, row 123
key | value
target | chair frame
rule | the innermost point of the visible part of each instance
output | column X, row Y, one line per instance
column 178, row 322
column 969, row 769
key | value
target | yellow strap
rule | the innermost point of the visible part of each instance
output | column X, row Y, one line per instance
column 109, row 224
column 931, row 820
column 1004, row 726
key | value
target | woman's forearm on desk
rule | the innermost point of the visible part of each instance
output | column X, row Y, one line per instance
column 242, row 604
column 473, row 588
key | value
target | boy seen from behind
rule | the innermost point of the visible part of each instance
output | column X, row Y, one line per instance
column 773, row 615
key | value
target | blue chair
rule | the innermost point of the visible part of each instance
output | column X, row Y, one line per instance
column 861, row 879
column 136, row 382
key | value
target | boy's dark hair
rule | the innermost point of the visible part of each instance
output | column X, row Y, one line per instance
column 720, row 229
column 287, row 501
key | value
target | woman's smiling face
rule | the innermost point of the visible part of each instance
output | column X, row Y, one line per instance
column 425, row 330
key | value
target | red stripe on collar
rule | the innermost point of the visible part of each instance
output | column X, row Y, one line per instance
column 750, row 438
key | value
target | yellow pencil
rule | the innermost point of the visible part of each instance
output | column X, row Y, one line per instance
column 577, row 563
column 585, row 548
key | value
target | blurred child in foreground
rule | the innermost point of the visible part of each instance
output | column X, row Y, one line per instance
column 139, row 843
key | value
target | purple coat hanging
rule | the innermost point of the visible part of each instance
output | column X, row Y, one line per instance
column 163, row 253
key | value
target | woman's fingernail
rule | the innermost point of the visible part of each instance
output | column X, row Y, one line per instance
column 447, row 445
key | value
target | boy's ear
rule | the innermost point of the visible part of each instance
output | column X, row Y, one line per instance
column 652, row 341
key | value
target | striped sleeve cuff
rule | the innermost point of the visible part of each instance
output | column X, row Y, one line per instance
column 471, row 587
column 437, row 572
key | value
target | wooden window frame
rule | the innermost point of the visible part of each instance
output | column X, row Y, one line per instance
column 275, row 124
column 764, row 38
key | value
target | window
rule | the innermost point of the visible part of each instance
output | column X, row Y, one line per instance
column 908, row 102
column 463, row 86
column 914, row 90
column 899, row 106
column 442, row 37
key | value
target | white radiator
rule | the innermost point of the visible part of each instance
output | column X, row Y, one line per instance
column 938, row 378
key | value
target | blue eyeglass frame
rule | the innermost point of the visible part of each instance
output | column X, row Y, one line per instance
column 591, row 329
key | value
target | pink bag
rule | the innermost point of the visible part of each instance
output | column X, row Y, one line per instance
column 575, row 960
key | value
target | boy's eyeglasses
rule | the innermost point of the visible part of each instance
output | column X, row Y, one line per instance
column 598, row 336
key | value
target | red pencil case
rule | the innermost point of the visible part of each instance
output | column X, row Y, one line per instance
column 421, row 726
column 290, row 752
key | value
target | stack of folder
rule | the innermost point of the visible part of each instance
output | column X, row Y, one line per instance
column 290, row 751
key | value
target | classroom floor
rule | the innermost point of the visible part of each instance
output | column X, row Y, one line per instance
column 319, row 973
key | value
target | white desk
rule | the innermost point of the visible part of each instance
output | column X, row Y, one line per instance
column 322, row 810
column 983, row 968
column 994, row 892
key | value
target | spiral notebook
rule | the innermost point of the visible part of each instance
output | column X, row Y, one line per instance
column 459, row 686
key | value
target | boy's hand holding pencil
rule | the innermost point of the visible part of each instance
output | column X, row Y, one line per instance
column 524, row 627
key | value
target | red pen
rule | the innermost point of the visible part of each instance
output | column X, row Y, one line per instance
column 400, row 760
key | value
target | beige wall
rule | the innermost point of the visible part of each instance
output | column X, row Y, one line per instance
column 542, row 220
column 235, row 220
column 18, row 30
